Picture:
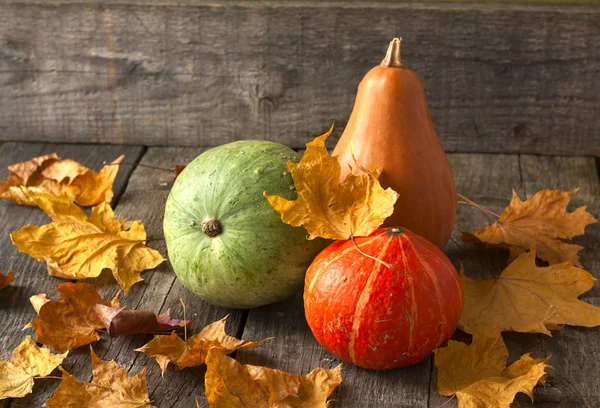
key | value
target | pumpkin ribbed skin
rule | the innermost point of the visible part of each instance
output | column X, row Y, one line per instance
column 390, row 127
column 378, row 317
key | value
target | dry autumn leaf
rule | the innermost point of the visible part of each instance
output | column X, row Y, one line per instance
column 118, row 320
column 54, row 176
column 478, row 376
column 229, row 384
column 28, row 361
column 7, row 279
column 110, row 387
column 542, row 220
column 71, row 321
column 178, row 169
column 77, row 247
column 172, row 349
column 328, row 209
column 528, row 298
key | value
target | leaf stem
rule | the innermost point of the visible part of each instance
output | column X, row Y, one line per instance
column 140, row 165
column 51, row 377
column 184, row 319
column 472, row 203
column 390, row 266
column 447, row 401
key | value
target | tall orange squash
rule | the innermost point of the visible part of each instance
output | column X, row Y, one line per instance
column 390, row 127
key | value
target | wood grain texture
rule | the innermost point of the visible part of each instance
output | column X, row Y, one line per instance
column 32, row 278
column 574, row 350
column 499, row 78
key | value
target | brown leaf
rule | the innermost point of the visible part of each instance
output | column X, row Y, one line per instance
column 7, row 279
column 542, row 220
column 110, row 387
column 528, row 298
column 478, row 375
column 178, row 169
column 172, row 349
column 71, row 321
column 77, row 247
column 27, row 362
column 229, row 384
column 52, row 175
column 328, row 209
column 118, row 321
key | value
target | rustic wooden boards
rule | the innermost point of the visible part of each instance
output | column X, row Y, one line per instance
column 141, row 193
column 499, row 78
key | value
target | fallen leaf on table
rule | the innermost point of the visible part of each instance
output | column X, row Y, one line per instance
column 110, row 387
column 71, row 321
column 118, row 320
column 7, row 279
column 328, row 209
column 178, row 169
column 528, row 298
column 172, row 349
column 229, row 384
column 27, row 362
column 77, row 247
column 542, row 220
column 52, row 175
column 478, row 375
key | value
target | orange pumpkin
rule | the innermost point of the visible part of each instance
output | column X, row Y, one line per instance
column 390, row 127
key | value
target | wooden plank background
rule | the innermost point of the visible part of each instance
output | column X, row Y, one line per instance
column 509, row 78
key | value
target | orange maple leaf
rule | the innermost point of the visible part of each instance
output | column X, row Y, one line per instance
column 229, row 384
column 542, row 220
column 110, row 387
column 7, row 279
column 190, row 353
column 54, row 176
column 71, row 321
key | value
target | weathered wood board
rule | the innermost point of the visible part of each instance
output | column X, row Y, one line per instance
column 499, row 78
column 141, row 194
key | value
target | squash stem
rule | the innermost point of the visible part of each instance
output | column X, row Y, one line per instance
column 389, row 266
column 392, row 58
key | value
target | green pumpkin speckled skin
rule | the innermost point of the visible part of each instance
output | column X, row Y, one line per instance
column 253, row 259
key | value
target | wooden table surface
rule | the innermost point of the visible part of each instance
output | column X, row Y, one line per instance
column 140, row 194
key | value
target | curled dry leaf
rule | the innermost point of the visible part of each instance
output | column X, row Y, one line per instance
column 7, row 279
column 77, row 247
column 528, row 298
column 118, row 320
column 328, row 209
column 110, row 387
column 172, row 349
column 27, row 362
column 478, row 376
column 542, row 220
column 71, row 321
column 229, row 384
column 52, row 175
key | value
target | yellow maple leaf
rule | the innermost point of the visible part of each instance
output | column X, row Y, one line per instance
column 478, row 376
column 328, row 209
column 54, row 176
column 27, row 362
column 528, row 298
column 172, row 349
column 7, row 279
column 77, row 247
column 110, row 387
column 71, row 321
column 229, row 384
column 542, row 220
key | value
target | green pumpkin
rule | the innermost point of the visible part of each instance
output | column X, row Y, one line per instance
column 225, row 241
